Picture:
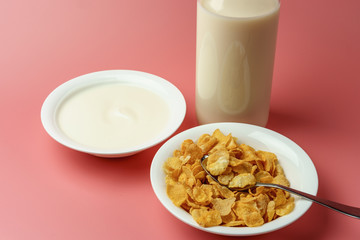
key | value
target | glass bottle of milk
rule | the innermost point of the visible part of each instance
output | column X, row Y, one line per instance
column 235, row 50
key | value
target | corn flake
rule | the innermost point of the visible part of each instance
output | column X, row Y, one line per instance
column 223, row 205
column 206, row 217
column 242, row 181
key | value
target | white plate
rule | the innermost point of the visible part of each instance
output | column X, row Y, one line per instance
column 298, row 167
column 153, row 83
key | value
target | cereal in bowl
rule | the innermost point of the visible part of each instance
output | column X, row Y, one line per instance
column 235, row 166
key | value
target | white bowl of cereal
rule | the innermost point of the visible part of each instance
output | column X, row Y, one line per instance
column 180, row 185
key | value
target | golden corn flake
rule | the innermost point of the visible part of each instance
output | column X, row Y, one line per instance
column 243, row 167
column 235, row 166
column 286, row 208
column 223, row 205
column 226, row 178
column 206, row 142
column 264, row 177
column 176, row 192
column 270, row 211
column 218, row 162
column 206, row 217
column 242, row 180
column 229, row 219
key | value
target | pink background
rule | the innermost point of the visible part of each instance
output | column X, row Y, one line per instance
column 50, row 192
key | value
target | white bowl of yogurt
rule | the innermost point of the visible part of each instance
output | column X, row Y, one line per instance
column 113, row 113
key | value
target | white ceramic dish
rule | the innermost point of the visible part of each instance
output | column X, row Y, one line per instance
column 153, row 83
column 297, row 165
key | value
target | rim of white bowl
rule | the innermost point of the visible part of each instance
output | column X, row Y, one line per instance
column 166, row 90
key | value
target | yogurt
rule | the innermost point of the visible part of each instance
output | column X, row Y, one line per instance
column 112, row 116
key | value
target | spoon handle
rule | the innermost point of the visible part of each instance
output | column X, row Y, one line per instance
column 345, row 209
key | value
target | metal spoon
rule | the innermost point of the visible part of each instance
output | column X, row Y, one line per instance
column 345, row 209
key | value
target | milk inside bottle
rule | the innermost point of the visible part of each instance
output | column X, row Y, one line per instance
column 235, row 50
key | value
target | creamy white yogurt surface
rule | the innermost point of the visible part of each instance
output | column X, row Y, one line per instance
column 112, row 116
